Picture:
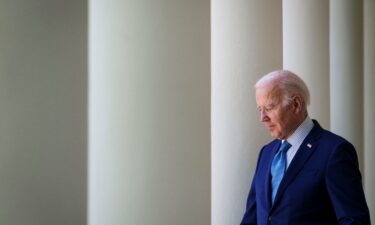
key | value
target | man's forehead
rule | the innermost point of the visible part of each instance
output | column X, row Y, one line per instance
column 269, row 92
column 268, row 96
column 267, row 103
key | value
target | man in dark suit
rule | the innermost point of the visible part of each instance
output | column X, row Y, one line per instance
column 307, row 175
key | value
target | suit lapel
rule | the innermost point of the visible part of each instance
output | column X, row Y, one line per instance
column 303, row 154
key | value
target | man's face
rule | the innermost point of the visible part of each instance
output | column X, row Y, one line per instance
column 280, row 119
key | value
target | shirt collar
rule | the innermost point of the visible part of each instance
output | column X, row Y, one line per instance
column 301, row 132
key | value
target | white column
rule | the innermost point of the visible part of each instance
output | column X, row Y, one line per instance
column 149, row 112
column 246, row 44
column 369, row 103
column 306, row 50
column 347, row 71
column 43, row 118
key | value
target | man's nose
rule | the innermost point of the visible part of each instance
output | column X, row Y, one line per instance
column 263, row 116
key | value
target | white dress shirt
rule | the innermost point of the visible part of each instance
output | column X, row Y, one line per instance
column 297, row 138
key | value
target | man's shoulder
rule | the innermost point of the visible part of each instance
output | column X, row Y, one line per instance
column 330, row 136
column 325, row 136
column 332, row 141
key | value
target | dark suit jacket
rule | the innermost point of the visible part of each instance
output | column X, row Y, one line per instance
column 322, row 185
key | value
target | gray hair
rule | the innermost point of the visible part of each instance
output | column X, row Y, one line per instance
column 289, row 83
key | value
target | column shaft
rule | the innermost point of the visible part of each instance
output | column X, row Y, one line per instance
column 369, row 103
column 346, row 82
column 246, row 44
column 306, row 50
column 149, row 112
column 43, row 121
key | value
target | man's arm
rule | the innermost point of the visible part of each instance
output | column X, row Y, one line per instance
column 344, row 185
column 250, row 215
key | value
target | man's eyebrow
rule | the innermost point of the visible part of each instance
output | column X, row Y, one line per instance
column 266, row 106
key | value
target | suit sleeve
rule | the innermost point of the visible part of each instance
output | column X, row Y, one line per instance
column 344, row 185
column 250, row 217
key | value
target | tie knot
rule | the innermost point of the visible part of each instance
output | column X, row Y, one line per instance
column 284, row 146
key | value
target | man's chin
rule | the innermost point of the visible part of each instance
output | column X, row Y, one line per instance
column 275, row 135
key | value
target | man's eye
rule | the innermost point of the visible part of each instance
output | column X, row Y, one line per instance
column 268, row 109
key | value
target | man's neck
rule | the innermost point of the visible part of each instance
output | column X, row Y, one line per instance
column 298, row 124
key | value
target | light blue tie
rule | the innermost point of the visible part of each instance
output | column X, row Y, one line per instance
column 278, row 167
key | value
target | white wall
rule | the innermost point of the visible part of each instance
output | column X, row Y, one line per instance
column 149, row 112
column 43, row 112
column 246, row 44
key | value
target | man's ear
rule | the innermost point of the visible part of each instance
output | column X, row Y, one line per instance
column 297, row 104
